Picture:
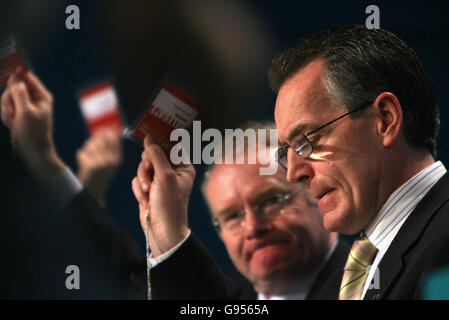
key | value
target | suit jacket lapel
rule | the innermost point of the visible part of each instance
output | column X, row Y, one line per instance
column 393, row 261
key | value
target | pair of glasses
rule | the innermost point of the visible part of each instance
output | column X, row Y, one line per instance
column 269, row 208
column 302, row 145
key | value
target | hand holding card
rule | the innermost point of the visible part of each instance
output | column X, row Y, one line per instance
column 31, row 125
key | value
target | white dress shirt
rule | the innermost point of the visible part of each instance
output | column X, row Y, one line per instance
column 154, row 261
column 395, row 211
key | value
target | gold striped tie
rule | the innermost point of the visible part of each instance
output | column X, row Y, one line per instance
column 356, row 269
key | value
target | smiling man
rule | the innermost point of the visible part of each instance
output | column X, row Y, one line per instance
column 357, row 120
column 272, row 229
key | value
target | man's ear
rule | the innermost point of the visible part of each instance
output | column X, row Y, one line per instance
column 388, row 112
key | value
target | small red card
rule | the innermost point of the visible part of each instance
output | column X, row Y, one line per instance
column 99, row 106
column 10, row 62
column 171, row 109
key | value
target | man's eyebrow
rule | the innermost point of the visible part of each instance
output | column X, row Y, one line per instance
column 298, row 130
column 266, row 191
column 225, row 210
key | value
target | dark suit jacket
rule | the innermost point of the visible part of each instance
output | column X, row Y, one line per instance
column 38, row 242
column 39, row 246
column 191, row 273
column 421, row 245
column 104, row 252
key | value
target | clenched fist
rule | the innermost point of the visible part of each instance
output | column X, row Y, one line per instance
column 98, row 161
column 164, row 191
column 27, row 110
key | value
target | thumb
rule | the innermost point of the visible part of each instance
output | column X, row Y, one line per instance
column 157, row 156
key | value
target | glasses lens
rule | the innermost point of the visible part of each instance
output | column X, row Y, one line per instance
column 281, row 157
column 302, row 146
column 274, row 205
column 231, row 221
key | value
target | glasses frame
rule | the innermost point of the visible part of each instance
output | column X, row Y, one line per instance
column 257, row 209
column 284, row 150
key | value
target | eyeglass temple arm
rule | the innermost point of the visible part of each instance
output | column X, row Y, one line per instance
column 342, row 116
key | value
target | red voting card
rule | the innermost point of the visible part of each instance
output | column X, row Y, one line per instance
column 10, row 61
column 99, row 106
column 171, row 109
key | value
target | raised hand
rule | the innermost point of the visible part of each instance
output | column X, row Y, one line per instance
column 98, row 161
column 164, row 191
column 27, row 110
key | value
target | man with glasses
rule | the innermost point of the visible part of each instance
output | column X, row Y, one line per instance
column 357, row 120
column 272, row 230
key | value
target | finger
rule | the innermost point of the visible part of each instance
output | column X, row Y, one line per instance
column 36, row 87
column 7, row 108
column 107, row 140
column 19, row 94
column 185, row 157
column 113, row 141
column 137, row 191
column 7, row 103
column 93, row 147
column 90, row 146
column 83, row 161
column 99, row 142
column 157, row 157
column 147, row 165
column 111, row 134
column 79, row 156
column 186, row 169
column 142, row 217
column 139, row 194
column 144, row 155
column 112, row 160
column 86, row 161
column 92, row 143
column 144, row 177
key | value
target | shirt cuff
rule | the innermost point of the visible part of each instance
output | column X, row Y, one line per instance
column 64, row 188
column 155, row 261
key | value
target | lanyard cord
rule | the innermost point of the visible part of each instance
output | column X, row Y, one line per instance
column 148, row 255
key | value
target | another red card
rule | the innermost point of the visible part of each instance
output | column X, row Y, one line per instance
column 10, row 61
column 99, row 106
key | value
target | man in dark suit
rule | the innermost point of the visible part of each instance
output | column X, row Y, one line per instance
column 357, row 120
column 272, row 230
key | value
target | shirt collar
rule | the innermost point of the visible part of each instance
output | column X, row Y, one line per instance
column 401, row 203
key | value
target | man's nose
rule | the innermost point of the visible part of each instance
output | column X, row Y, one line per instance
column 299, row 169
column 255, row 224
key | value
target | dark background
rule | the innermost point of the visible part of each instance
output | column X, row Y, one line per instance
column 222, row 49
